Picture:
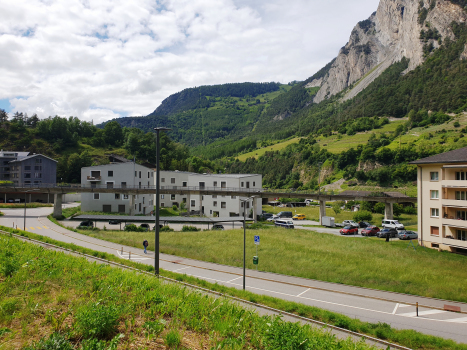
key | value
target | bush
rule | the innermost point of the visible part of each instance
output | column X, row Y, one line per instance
column 336, row 206
column 190, row 229
column 410, row 210
column 363, row 215
column 456, row 124
column 97, row 320
column 379, row 208
column 257, row 226
column 166, row 229
column 56, row 341
column 134, row 228
column 173, row 339
column 174, row 207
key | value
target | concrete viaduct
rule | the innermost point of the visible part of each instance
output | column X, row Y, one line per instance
column 57, row 191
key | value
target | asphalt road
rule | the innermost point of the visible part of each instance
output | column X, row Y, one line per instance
column 364, row 304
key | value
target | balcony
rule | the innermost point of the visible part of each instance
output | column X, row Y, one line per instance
column 454, row 242
column 455, row 223
column 454, row 203
column 454, row 184
column 94, row 178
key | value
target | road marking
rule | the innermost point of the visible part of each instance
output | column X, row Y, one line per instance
column 404, row 305
column 39, row 228
column 183, row 268
column 132, row 258
column 234, row 279
column 422, row 313
column 32, row 228
column 303, row 292
column 461, row 319
column 45, row 227
column 395, row 309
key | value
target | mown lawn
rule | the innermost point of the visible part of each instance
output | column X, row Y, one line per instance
column 50, row 300
column 365, row 262
column 259, row 152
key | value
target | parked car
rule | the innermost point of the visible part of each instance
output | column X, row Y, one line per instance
column 349, row 230
column 363, row 224
column 350, row 223
column 299, row 217
column 265, row 216
column 285, row 214
column 86, row 224
column 370, row 231
column 272, row 218
column 145, row 226
column 392, row 232
column 308, row 201
column 392, row 224
column 114, row 222
column 217, row 227
column 407, row 235
column 11, row 200
column 284, row 223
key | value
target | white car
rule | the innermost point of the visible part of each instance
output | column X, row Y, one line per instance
column 273, row 218
column 392, row 224
column 350, row 223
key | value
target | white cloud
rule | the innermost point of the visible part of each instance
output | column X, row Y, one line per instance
column 102, row 59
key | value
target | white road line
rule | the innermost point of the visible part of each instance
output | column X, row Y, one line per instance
column 404, row 305
column 422, row 313
column 461, row 319
column 128, row 256
column 395, row 309
column 303, row 292
column 234, row 279
column 183, row 268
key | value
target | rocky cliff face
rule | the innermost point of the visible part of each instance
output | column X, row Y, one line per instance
column 399, row 28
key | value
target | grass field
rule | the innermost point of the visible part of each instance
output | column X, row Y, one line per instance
column 21, row 205
column 368, row 262
column 409, row 338
column 55, row 301
column 259, row 152
column 312, row 213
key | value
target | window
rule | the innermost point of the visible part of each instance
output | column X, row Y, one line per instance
column 163, row 179
column 36, row 175
column 202, row 198
column 110, row 185
column 26, row 167
column 462, row 235
column 139, row 184
column 434, row 212
column 95, row 173
column 123, row 184
column 148, row 175
column 38, row 161
column 254, row 183
column 202, row 185
column 247, row 205
column 248, row 184
column 193, row 203
column 461, row 215
column 172, row 197
column 434, row 194
column 461, row 195
column 125, row 196
column 162, row 196
column 233, row 197
column 214, row 204
column 117, row 195
column 223, row 184
column 241, row 185
column 434, row 231
column 215, row 184
column 140, row 177
column 434, row 176
column 214, row 196
column 27, row 175
column 172, row 180
column 184, row 184
column 460, row 175
column 144, row 199
column 136, row 174
column 110, row 173
column 96, row 195
column 223, row 205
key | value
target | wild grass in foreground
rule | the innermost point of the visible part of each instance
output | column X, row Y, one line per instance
column 50, row 300
column 365, row 262
column 409, row 338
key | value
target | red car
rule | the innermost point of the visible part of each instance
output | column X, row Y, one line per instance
column 349, row 230
column 370, row 231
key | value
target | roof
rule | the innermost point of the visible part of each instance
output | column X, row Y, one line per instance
column 456, row 156
column 119, row 159
column 368, row 194
column 16, row 154
column 33, row 156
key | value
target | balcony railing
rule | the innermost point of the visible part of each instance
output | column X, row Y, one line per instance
column 455, row 222
column 454, row 203
column 94, row 178
column 454, row 183
column 450, row 240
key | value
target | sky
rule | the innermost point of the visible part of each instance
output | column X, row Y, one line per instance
column 103, row 59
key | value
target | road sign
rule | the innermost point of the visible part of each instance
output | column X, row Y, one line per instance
column 257, row 240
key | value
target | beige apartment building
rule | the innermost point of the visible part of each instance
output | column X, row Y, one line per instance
column 442, row 201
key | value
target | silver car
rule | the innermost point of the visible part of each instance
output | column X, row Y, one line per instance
column 407, row 235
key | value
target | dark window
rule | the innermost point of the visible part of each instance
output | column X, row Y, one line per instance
column 107, row 208
column 223, row 205
column 27, row 167
column 123, row 184
column 96, row 195
column 172, row 180
column 27, row 175
column 140, row 174
column 172, row 197
column 117, row 195
column 38, row 167
column 110, row 173
column 121, row 208
column 110, row 185
column 184, row 184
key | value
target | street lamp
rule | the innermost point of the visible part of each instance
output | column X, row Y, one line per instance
column 156, row 258
column 244, row 237
column 25, row 200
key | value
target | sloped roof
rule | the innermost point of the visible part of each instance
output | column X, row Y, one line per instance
column 456, row 156
column 32, row 156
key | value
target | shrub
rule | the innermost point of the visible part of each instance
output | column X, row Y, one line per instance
column 379, row 208
column 174, row 207
column 363, row 215
column 456, row 124
column 94, row 344
column 134, row 228
column 173, row 339
column 257, row 226
column 97, row 320
column 190, row 229
column 166, row 229
column 336, row 206
column 410, row 210
column 56, row 341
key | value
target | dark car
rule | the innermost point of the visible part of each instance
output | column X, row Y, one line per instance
column 145, row 226
column 392, row 232
column 407, row 235
column 114, row 222
column 265, row 216
column 370, row 231
column 217, row 227
column 86, row 224
column 349, row 230
column 285, row 214
column 364, row 224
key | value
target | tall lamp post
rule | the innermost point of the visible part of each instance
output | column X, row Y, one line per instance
column 244, row 238
column 156, row 258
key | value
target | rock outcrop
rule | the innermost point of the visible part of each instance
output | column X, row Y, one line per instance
column 399, row 28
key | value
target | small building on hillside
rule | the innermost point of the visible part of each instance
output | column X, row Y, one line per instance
column 442, row 201
column 121, row 174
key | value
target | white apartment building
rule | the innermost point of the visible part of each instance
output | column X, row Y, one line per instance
column 212, row 205
column 126, row 174
column 442, row 201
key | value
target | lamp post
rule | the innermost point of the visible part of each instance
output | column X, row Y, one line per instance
column 244, row 238
column 156, row 258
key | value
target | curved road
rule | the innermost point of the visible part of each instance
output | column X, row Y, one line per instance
column 364, row 304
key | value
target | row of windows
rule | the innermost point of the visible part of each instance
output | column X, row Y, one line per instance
column 172, row 197
column 460, row 175
column 214, row 184
column 110, row 173
column 462, row 235
column 461, row 195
